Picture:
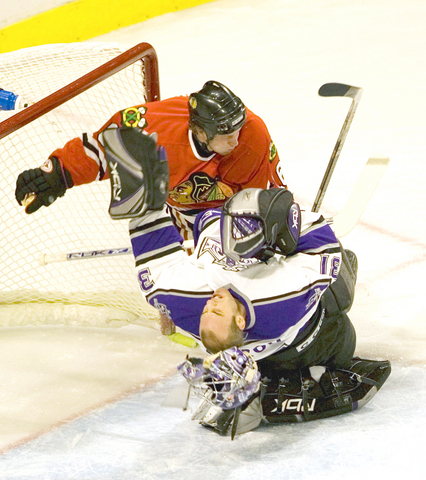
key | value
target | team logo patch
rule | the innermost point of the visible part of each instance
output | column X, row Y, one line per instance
column 199, row 188
column 133, row 117
column 272, row 151
column 213, row 248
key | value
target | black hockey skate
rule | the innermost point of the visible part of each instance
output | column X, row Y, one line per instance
column 320, row 392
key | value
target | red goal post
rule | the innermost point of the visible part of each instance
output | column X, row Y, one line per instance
column 72, row 89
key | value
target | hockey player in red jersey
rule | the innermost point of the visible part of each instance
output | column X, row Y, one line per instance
column 215, row 147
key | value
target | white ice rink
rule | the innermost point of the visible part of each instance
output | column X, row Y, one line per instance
column 85, row 404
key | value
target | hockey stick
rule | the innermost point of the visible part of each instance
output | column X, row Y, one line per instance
column 47, row 258
column 364, row 188
column 337, row 90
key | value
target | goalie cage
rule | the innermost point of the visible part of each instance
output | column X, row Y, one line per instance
column 72, row 88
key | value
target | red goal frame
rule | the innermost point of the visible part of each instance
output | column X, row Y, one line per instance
column 143, row 52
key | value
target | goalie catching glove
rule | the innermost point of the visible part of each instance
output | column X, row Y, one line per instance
column 42, row 186
column 138, row 171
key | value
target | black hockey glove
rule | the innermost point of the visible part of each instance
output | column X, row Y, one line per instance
column 42, row 186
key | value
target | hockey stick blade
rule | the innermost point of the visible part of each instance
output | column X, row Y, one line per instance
column 183, row 340
column 337, row 90
column 370, row 177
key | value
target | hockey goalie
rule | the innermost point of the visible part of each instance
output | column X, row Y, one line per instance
column 267, row 292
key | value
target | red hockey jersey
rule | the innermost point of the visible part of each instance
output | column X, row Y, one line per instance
column 195, row 182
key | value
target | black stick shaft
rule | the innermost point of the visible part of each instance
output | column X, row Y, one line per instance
column 337, row 90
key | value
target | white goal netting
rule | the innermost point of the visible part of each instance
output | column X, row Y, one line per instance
column 101, row 291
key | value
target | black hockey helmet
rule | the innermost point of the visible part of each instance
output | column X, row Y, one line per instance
column 216, row 110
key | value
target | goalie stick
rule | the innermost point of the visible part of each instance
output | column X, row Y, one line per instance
column 47, row 258
column 44, row 259
column 337, row 90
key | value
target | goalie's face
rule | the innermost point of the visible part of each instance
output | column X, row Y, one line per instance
column 222, row 321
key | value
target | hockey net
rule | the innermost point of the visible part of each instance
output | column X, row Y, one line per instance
column 71, row 88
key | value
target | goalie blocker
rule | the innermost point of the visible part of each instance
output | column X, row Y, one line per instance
column 138, row 172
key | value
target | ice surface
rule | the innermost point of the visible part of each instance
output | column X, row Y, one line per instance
column 137, row 438
column 83, row 396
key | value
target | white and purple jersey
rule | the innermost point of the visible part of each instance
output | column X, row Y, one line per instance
column 279, row 296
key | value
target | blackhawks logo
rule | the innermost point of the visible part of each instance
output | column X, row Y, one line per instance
column 134, row 117
column 200, row 187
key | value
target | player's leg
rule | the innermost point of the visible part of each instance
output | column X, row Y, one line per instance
column 320, row 392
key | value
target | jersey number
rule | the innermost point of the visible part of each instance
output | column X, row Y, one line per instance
column 334, row 268
column 145, row 279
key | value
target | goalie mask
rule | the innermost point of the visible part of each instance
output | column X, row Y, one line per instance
column 226, row 380
column 257, row 223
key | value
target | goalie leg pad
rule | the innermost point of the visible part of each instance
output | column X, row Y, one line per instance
column 302, row 396
column 138, row 172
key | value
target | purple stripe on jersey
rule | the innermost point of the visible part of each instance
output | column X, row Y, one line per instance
column 273, row 318
column 315, row 239
column 184, row 308
column 151, row 241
